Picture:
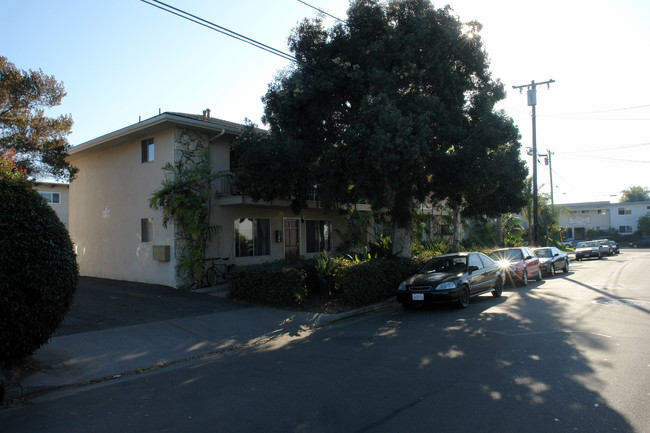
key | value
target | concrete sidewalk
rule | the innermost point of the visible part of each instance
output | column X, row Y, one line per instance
column 99, row 355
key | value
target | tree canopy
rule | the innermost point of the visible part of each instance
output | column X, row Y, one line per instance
column 394, row 106
column 40, row 142
column 635, row 193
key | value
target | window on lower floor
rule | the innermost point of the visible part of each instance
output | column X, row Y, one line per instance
column 625, row 229
column 146, row 230
column 318, row 236
column 252, row 237
column 51, row 197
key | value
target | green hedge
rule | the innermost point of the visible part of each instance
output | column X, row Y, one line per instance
column 285, row 284
column 38, row 271
column 371, row 281
column 277, row 284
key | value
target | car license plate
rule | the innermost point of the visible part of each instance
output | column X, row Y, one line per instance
column 418, row 296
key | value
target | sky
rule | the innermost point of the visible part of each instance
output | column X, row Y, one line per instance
column 122, row 60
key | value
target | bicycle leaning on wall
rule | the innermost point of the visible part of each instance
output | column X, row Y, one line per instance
column 218, row 271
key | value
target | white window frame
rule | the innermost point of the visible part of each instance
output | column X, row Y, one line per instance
column 50, row 197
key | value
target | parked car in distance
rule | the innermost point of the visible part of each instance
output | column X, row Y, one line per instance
column 519, row 263
column 552, row 259
column 641, row 243
column 605, row 248
column 614, row 247
column 568, row 243
column 585, row 250
column 454, row 277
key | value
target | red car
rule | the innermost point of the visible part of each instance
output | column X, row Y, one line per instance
column 520, row 264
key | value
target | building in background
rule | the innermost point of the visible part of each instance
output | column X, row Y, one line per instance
column 621, row 218
column 57, row 196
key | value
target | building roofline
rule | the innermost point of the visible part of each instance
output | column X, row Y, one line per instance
column 601, row 204
column 191, row 120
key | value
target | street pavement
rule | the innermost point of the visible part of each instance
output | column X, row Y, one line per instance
column 116, row 329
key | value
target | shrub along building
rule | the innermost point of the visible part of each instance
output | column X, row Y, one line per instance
column 118, row 235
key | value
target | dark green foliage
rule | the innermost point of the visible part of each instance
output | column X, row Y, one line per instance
column 372, row 281
column 277, row 284
column 38, row 272
column 184, row 198
column 644, row 224
column 393, row 105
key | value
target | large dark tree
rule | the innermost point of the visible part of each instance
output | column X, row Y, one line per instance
column 372, row 108
column 40, row 142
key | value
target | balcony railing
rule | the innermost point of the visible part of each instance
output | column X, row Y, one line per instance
column 225, row 188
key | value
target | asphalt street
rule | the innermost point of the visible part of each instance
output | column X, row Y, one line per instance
column 569, row 353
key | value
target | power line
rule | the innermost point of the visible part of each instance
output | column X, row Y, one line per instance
column 612, row 159
column 321, row 11
column 613, row 109
column 212, row 26
column 627, row 146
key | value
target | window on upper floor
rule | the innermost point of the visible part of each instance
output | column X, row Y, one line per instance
column 624, row 211
column 147, row 150
column 51, row 197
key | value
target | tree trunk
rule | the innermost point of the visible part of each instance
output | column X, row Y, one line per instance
column 403, row 236
column 500, row 230
column 457, row 227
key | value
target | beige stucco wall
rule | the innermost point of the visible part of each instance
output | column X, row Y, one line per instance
column 109, row 199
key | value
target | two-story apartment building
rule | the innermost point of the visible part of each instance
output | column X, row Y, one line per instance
column 118, row 236
column 603, row 216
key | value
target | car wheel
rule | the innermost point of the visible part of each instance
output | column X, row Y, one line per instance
column 566, row 267
column 524, row 279
column 539, row 275
column 498, row 288
column 463, row 297
column 552, row 270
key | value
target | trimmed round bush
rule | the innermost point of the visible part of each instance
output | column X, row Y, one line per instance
column 38, row 271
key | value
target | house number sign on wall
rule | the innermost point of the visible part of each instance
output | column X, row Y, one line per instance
column 106, row 212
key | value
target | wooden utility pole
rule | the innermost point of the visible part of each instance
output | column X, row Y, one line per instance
column 532, row 101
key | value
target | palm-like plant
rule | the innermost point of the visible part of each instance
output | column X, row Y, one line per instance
column 184, row 198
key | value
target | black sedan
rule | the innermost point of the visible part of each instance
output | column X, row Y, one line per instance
column 455, row 277
column 641, row 243
column 551, row 260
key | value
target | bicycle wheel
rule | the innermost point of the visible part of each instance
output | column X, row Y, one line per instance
column 212, row 275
